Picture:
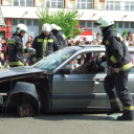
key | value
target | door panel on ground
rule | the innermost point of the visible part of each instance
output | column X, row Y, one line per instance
column 76, row 91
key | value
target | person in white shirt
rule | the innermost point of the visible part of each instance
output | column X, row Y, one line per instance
column 97, row 41
column 130, row 33
column 125, row 41
column 131, row 40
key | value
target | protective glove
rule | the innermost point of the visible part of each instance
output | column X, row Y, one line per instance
column 104, row 64
column 31, row 50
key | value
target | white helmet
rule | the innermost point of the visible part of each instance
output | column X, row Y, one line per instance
column 55, row 27
column 20, row 27
column 104, row 21
column 46, row 28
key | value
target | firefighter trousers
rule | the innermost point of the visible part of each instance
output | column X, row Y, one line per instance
column 115, row 86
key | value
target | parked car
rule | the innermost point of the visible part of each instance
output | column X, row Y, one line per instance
column 51, row 86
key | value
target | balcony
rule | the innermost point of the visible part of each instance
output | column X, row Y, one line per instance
column 89, row 14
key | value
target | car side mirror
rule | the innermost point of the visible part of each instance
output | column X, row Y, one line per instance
column 65, row 71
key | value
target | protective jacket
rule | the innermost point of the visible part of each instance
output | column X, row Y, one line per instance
column 15, row 51
column 116, row 50
column 60, row 37
column 45, row 45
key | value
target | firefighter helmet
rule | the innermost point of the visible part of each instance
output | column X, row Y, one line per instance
column 46, row 28
column 20, row 28
column 104, row 21
column 55, row 27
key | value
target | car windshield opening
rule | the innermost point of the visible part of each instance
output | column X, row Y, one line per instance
column 55, row 59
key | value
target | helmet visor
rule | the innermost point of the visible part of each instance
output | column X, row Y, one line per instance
column 97, row 24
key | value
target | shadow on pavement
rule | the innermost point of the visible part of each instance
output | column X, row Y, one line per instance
column 66, row 116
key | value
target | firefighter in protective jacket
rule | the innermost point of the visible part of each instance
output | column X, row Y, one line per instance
column 15, row 47
column 119, row 62
column 45, row 43
column 56, row 30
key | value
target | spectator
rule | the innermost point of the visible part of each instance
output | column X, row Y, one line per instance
column 69, row 39
column 125, row 40
column 74, row 64
column 5, row 47
column 73, row 42
column 100, row 55
column 78, row 43
column 131, row 40
column 28, row 44
column 30, row 38
column 2, row 58
column 82, row 42
column 27, row 60
column 70, row 44
column 97, row 41
column 132, row 56
column 85, row 41
column 1, row 47
column 6, row 65
column 3, row 41
column 130, row 33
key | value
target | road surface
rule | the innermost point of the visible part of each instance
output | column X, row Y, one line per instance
column 69, row 123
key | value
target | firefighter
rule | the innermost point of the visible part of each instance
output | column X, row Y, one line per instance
column 56, row 30
column 120, row 64
column 15, row 47
column 45, row 43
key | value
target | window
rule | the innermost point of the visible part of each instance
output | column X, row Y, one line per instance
column 85, row 24
column 120, row 24
column 55, row 59
column 16, row 3
column 36, row 23
column 132, row 6
column 132, row 25
column 28, row 22
column 89, row 24
column 23, row 2
column 126, row 25
column 87, row 63
column 22, row 21
column 84, row 4
column 15, row 21
column 120, row 5
column 54, row 3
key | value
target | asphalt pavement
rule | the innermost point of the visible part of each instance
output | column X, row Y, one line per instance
column 65, row 124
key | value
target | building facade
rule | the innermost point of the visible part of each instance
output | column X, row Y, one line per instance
column 23, row 11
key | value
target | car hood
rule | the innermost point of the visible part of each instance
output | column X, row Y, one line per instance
column 17, row 71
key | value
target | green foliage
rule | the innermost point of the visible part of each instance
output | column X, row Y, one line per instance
column 66, row 19
column 115, row 27
column 124, row 33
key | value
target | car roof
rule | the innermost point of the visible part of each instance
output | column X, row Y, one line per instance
column 95, row 48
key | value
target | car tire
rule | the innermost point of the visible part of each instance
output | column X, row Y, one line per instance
column 25, row 110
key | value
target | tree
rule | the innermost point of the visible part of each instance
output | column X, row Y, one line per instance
column 66, row 19
column 115, row 27
column 124, row 33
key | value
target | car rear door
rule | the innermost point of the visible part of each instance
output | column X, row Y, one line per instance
column 77, row 91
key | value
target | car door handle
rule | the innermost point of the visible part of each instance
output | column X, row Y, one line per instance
column 99, row 80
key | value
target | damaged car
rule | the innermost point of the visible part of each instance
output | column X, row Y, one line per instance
column 52, row 85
